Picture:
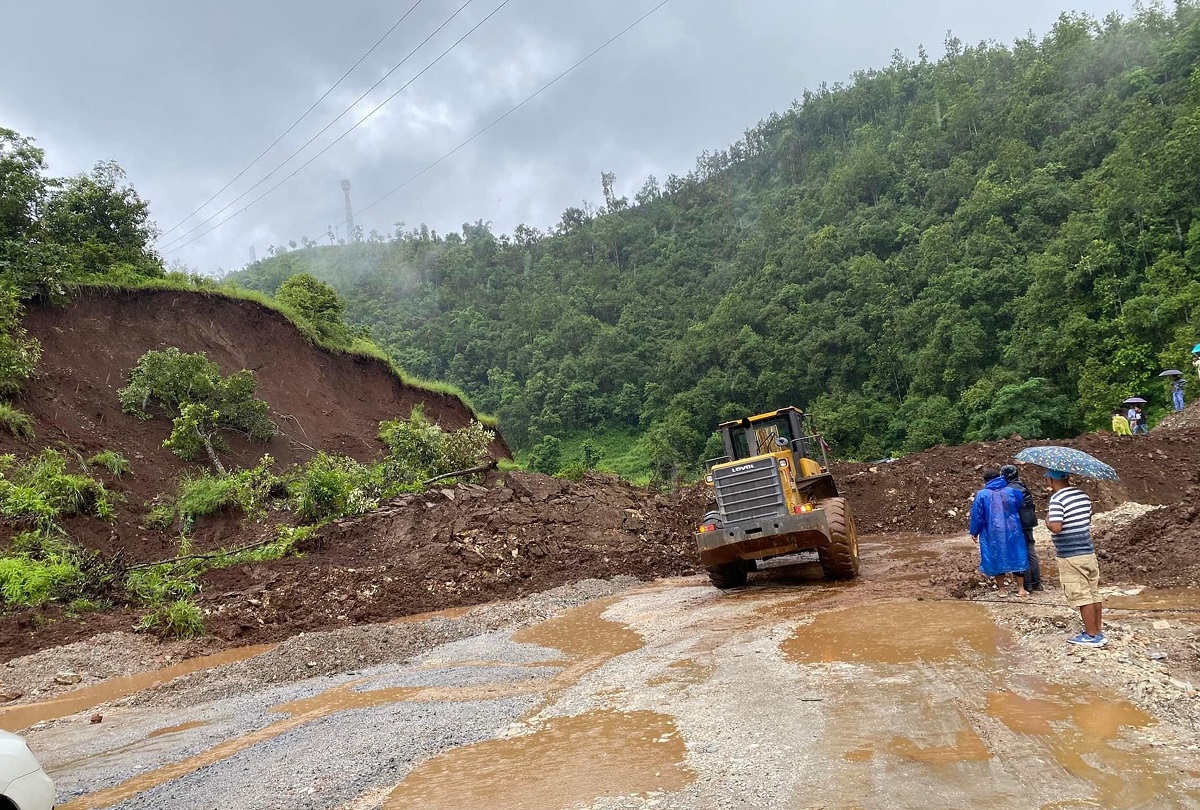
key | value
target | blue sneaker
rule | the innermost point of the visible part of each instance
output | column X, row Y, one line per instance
column 1083, row 639
column 1097, row 640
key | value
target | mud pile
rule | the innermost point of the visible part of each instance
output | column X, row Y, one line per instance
column 457, row 547
column 931, row 492
column 1161, row 548
column 320, row 400
column 1178, row 421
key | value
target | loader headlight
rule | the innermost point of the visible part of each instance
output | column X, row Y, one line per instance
column 783, row 462
column 708, row 479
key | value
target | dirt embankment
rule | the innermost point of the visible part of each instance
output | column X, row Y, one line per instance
column 320, row 400
column 1161, row 548
column 931, row 492
column 455, row 547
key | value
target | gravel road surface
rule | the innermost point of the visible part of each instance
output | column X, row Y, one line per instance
column 792, row 693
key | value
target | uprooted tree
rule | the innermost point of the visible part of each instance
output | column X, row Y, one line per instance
column 203, row 405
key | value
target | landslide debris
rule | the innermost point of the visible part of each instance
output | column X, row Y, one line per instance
column 455, row 547
column 931, row 492
column 1161, row 548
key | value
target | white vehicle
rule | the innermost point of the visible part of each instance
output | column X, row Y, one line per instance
column 23, row 783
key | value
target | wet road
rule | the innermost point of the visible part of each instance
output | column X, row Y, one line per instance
column 790, row 694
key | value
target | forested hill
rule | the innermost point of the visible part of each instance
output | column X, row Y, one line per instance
column 1003, row 240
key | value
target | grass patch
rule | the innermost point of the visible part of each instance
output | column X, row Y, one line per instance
column 16, row 421
column 114, row 462
column 38, row 492
column 207, row 493
column 29, row 582
column 181, row 618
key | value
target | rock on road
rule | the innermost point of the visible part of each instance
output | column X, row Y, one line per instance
column 793, row 693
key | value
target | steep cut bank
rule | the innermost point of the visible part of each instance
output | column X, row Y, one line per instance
column 320, row 400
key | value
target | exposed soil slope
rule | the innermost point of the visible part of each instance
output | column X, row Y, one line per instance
column 320, row 400
column 448, row 548
column 931, row 492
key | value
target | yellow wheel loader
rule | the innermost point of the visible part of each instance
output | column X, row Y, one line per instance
column 774, row 499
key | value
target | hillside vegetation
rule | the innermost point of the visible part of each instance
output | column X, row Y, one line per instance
column 1000, row 241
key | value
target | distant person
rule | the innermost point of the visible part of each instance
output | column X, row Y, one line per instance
column 1120, row 424
column 996, row 526
column 1138, row 423
column 1070, row 524
column 1196, row 362
column 1177, row 393
column 1028, row 515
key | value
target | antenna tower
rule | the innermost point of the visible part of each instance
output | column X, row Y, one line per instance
column 350, row 231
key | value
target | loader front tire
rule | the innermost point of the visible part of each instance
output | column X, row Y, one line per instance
column 727, row 575
column 839, row 556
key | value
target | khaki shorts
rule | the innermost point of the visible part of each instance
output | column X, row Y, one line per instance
column 1080, row 578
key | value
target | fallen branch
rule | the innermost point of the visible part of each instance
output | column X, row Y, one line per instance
column 490, row 465
column 206, row 556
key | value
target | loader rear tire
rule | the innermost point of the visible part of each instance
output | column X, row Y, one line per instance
column 727, row 575
column 839, row 557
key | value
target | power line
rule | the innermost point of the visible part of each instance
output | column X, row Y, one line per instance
column 315, row 104
column 530, row 98
column 168, row 247
column 333, row 143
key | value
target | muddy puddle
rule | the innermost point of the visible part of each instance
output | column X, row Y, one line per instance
column 89, row 697
column 688, row 671
column 583, row 633
column 567, row 762
column 1081, row 730
column 896, row 633
column 1185, row 600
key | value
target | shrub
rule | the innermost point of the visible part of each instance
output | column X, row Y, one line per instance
column 209, row 493
column 329, row 487
column 114, row 462
column 26, row 582
column 40, row 490
column 546, row 456
column 420, row 450
column 16, row 421
column 572, row 471
column 203, row 405
column 19, row 354
column 179, row 619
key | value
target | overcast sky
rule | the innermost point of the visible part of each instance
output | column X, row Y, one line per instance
column 185, row 95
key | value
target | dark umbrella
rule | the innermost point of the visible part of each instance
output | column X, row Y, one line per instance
column 1171, row 372
column 1068, row 460
column 1134, row 401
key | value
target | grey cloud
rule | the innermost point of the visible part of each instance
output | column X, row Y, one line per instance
column 184, row 95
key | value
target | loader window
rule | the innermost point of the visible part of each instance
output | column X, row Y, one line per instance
column 741, row 447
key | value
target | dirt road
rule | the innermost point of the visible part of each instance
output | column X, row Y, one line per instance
column 793, row 693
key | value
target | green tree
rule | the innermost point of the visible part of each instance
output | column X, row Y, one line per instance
column 104, row 224
column 546, row 456
column 317, row 303
column 203, row 405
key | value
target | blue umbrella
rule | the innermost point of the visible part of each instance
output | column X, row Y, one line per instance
column 1196, row 348
column 1068, row 460
column 1171, row 372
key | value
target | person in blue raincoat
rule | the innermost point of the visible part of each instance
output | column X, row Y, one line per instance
column 996, row 526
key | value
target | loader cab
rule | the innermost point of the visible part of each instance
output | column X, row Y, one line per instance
column 771, row 433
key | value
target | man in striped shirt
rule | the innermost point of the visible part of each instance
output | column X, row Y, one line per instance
column 1070, row 524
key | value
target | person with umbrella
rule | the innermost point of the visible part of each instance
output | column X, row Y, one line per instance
column 996, row 527
column 1137, row 419
column 1196, row 358
column 1070, row 522
column 1175, row 378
